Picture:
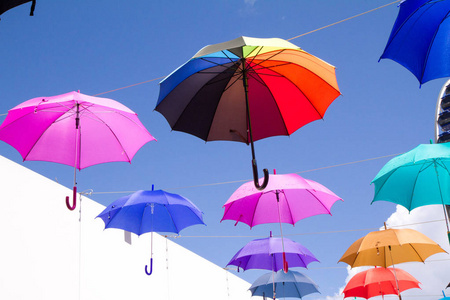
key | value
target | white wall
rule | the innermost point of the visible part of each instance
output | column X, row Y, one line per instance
column 46, row 254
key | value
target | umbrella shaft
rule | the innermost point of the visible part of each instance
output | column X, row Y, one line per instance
column 247, row 107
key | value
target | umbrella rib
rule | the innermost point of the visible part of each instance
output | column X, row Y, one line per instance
column 431, row 43
column 289, row 207
column 318, row 200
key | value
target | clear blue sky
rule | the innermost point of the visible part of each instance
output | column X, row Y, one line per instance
column 98, row 46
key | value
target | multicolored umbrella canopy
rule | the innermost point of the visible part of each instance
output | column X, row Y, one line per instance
column 247, row 89
column 8, row 4
column 379, row 282
column 74, row 129
column 416, row 178
column 266, row 254
column 151, row 211
column 419, row 39
column 387, row 247
column 284, row 285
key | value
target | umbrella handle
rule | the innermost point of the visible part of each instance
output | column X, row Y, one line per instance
column 151, row 267
column 255, row 176
column 285, row 263
column 69, row 206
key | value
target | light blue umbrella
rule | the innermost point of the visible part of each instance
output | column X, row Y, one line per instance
column 445, row 298
column 416, row 178
column 283, row 285
column 151, row 211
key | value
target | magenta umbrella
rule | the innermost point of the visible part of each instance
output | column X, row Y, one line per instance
column 287, row 198
column 74, row 129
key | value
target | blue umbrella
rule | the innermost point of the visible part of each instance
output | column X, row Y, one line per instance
column 445, row 298
column 419, row 39
column 151, row 211
column 291, row 284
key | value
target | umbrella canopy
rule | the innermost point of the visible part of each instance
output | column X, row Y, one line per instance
column 419, row 39
column 291, row 284
column 247, row 89
column 416, row 178
column 151, row 211
column 74, row 129
column 287, row 198
column 379, row 282
column 8, row 4
column 266, row 254
column 390, row 246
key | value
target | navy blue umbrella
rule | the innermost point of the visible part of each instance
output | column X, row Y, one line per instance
column 8, row 4
column 419, row 39
column 151, row 211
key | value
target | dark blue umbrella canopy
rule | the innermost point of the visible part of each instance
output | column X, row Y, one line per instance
column 151, row 211
column 420, row 41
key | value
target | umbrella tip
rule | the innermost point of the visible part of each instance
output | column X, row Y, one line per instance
column 271, row 233
column 274, row 172
column 153, row 187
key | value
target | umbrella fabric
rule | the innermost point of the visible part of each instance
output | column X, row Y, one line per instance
column 299, row 198
column 379, row 282
column 74, row 129
column 8, row 4
column 151, row 211
column 416, row 178
column 291, row 284
column 286, row 89
column 388, row 247
column 419, row 39
column 266, row 254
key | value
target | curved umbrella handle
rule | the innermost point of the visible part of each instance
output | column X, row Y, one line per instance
column 255, row 176
column 69, row 206
column 151, row 267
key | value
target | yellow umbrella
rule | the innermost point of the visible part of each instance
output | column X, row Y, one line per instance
column 390, row 246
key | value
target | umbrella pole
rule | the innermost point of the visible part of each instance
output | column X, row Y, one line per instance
column 395, row 274
column 151, row 244
column 442, row 200
column 285, row 264
column 77, row 153
column 249, row 126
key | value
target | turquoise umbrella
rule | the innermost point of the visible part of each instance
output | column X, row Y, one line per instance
column 416, row 178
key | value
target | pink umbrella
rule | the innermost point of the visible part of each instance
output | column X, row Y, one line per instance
column 286, row 199
column 75, row 130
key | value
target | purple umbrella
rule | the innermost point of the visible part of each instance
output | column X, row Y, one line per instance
column 267, row 254
column 286, row 199
column 75, row 130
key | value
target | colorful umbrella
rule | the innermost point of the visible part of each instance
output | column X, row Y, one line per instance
column 75, row 130
column 247, row 89
column 8, row 4
column 151, row 211
column 266, row 254
column 419, row 39
column 416, row 178
column 379, row 282
column 286, row 199
column 291, row 284
column 390, row 246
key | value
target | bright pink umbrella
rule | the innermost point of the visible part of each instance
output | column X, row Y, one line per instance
column 75, row 130
column 286, row 199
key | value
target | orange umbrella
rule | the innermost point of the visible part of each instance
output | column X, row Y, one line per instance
column 386, row 247
column 380, row 282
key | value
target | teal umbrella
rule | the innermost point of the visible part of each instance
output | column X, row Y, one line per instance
column 417, row 178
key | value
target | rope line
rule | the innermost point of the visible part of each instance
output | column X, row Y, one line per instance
column 245, row 180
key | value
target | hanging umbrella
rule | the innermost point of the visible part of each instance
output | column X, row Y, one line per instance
column 445, row 298
column 247, row 89
column 419, row 39
column 417, row 178
column 291, row 284
column 286, row 199
column 8, row 4
column 266, row 254
column 390, row 246
column 75, row 130
column 151, row 211
column 379, row 282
